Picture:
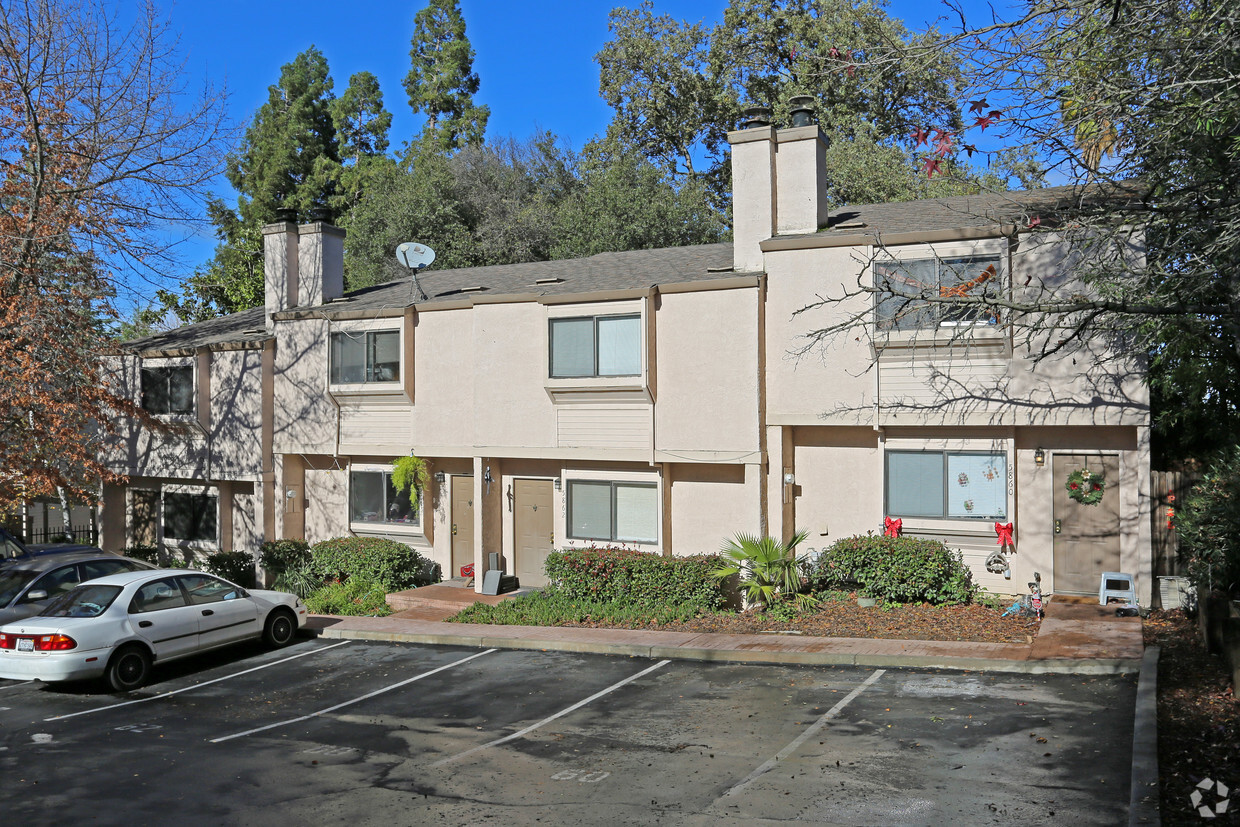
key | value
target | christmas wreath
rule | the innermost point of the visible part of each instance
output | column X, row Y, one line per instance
column 1085, row 486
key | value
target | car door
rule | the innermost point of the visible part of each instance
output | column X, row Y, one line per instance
column 161, row 614
column 225, row 614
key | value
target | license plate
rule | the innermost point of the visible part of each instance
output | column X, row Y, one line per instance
column 25, row 644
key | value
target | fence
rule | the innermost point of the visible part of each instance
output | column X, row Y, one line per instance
column 1168, row 489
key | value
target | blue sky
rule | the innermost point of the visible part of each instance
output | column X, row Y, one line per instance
column 535, row 60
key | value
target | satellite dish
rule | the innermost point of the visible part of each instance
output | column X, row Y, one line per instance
column 415, row 256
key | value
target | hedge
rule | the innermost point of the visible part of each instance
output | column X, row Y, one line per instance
column 390, row 564
column 278, row 556
column 635, row 578
column 898, row 569
column 237, row 566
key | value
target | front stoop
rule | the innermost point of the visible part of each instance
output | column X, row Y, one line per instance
column 443, row 597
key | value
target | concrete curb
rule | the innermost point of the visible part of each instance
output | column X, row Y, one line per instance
column 1143, row 803
column 751, row 654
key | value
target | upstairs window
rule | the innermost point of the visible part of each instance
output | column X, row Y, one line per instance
column 947, row 484
column 374, row 499
column 622, row 512
column 595, row 346
column 168, row 390
column 358, row 358
column 904, row 282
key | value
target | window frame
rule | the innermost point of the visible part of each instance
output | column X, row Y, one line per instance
column 595, row 319
column 613, row 485
column 370, row 365
column 167, row 371
column 944, row 454
column 415, row 501
column 891, row 326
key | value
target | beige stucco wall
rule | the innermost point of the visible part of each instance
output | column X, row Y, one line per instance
column 327, row 505
column 236, row 414
column 707, row 374
column 304, row 419
column 712, row 504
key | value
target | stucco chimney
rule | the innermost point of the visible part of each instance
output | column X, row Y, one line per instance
column 320, row 267
column 280, row 267
column 778, row 182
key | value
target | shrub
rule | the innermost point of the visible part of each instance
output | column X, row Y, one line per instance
column 390, row 564
column 768, row 570
column 900, row 569
column 165, row 558
column 278, row 556
column 298, row 580
column 237, row 566
column 354, row 597
column 147, row 554
column 1208, row 525
column 634, row 578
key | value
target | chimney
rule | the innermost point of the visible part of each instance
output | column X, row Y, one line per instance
column 778, row 181
column 280, row 266
column 320, row 264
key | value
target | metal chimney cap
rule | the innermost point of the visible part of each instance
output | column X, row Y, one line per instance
column 801, row 109
column 753, row 117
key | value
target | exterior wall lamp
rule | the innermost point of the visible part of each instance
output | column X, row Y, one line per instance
column 789, row 478
column 440, row 477
column 1039, row 457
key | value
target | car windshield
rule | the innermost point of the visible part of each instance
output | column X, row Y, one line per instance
column 84, row 601
column 12, row 581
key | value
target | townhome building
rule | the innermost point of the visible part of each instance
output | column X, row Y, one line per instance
column 663, row 400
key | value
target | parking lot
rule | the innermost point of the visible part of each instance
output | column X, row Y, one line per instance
column 332, row 732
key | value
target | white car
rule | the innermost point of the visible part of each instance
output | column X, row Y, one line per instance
column 115, row 627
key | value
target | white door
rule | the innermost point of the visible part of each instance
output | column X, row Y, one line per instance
column 160, row 613
column 224, row 615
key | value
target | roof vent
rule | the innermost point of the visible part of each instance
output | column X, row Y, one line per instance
column 756, row 116
column 849, row 225
column 555, row 280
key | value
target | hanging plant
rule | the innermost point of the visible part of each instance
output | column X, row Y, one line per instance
column 409, row 471
column 1085, row 486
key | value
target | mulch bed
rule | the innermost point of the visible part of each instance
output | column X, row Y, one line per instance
column 1198, row 719
column 844, row 618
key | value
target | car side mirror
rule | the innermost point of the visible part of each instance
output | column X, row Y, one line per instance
column 35, row 594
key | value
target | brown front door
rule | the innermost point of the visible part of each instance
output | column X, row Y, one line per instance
column 144, row 514
column 462, row 523
column 1086, row 536
column 534, row 526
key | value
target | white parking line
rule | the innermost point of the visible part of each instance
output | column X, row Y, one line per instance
column 197, row 685
column 559, row 714
column 807, row 734
column 353, row 701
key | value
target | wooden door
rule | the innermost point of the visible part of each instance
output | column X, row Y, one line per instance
column 462, row 523
column 1086, row 536
column 534, row 527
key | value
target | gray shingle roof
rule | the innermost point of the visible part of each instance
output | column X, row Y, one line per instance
column 246, row 327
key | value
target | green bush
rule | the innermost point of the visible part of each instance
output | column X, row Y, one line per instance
column 147, row 554
column 634, row 578
column 354, row 597
column 390, row 564
column 551, row 608
column 166, row 559
column 237, row 566
column 767, row 570
column 1208, row 525
column 278, row 556
column 899, row 569
column 298, row 580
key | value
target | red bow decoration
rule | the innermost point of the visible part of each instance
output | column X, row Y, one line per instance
column 467, row 571
column 891, row 528
column 1005, row 534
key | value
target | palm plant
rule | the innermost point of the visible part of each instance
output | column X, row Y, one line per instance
column 768, row 569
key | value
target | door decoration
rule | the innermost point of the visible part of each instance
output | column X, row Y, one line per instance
column 997, row 562
column 1085, row 486
column 891, row 528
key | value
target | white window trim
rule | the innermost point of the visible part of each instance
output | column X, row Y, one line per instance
column 381, row 528
column 557, row 386
column 966, row 445
column 172, row 362
column 940, row 335
column 594, row 475
column 360, row 326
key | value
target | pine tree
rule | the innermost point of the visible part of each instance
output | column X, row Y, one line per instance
column 441, row 80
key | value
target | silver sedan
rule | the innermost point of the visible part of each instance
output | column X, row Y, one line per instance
column 115, row 627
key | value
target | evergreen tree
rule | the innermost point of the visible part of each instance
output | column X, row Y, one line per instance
column 441, row 80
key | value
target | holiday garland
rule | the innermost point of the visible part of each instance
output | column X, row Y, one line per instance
column 1086, row 487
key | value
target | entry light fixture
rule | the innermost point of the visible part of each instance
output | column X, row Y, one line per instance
column 557, row 483
column 440, row 477
column 789, row 478
column 290, row 493
column 1039, row 457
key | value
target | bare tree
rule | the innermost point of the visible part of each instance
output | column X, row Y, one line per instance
column 101, row 146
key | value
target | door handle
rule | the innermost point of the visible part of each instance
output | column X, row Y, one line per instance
column 145, row 624
column 1058, row 526
column 207, row 612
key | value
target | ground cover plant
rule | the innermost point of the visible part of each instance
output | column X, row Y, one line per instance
column 351, row 575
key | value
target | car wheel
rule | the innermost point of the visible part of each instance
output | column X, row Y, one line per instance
column 280, row 628
column 129, row 669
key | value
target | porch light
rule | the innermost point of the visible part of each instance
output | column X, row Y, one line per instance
column 290, row 493
column 1039, row 457
column 789, row 478
column 557, row 483
column 440, row 477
